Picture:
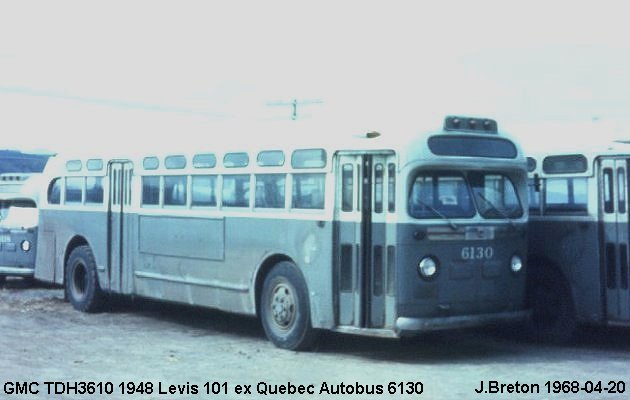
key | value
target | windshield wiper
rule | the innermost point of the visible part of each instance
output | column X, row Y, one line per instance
column 496, row 209
column 438, row 213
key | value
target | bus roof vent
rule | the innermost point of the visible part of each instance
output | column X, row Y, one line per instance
column 468, row 124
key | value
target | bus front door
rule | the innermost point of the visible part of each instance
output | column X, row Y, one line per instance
column 118, row 237
column 613, row 210
column 363, row 241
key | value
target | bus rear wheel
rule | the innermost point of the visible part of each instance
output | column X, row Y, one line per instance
column 81, row 280
column 285, row 311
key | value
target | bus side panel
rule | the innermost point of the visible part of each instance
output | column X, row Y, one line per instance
column 212, row 262
column 45, row 262
column 91, row 225
column 186, row 237
column 575, row 251
column 311, row 246
column 176, row 258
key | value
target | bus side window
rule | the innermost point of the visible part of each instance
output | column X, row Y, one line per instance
column 308, row 191
column 347, row 186
column 608, row 191
column 378, row 188
column 175, row 190
column 54, row 191
column 391, row 187
column 74, row 189
column 621, row 186
column 270, row 190
column 150, row 190
column 235, row 191
column 204, row 190
column 94, row 190
column 566, row 195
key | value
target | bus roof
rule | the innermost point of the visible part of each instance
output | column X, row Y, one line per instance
column 221, row 138
column 14, row 186
column 574, row 160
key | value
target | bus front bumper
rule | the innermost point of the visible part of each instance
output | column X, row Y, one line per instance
column 408, row 326
column 16, row 271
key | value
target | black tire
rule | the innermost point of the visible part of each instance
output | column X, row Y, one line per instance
column 553, row 311
column 3, row 279
column 284, row 309
column 81, row 281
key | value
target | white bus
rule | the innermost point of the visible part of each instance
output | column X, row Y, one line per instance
column 385, row 234
column 19, row 190
column 578, row 247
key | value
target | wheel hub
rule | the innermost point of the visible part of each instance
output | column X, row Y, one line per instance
column 283, row 306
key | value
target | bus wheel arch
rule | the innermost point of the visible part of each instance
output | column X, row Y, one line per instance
column 81, row 285
column 550, row 297
column 75, row 242
column 261, row 273
column 284, row 308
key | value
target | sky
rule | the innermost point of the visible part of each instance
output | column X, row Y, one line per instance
column 79, row 74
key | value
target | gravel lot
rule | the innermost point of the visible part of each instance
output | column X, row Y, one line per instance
column 42, row 339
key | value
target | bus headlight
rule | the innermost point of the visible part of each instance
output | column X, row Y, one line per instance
column 427, row 267
column 516, row 263
column 25, row 245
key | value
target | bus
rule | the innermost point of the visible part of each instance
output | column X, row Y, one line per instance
column 19, row 191
column 578, row 239
column 387, row 234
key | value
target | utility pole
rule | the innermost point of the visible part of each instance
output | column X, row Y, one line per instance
column 294, row 105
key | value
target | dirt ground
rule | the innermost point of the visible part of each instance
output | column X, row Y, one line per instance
column 153, row 349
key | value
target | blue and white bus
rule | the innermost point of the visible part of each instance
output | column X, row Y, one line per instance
column 578, row 247
column 387, row 233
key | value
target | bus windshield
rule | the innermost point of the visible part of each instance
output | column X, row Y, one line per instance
column 495, row 195
column 440, row 195
column 448, row 195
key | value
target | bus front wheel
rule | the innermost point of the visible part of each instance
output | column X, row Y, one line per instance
column 81, row 281
column 285, row 312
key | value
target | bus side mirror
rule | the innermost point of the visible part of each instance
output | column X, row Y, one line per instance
column 536, row 183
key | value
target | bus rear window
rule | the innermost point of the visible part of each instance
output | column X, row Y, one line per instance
column 566, row 195
column 439, row 196
column 470, row 146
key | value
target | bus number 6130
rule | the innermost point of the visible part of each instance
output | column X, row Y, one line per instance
column 477, row 253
